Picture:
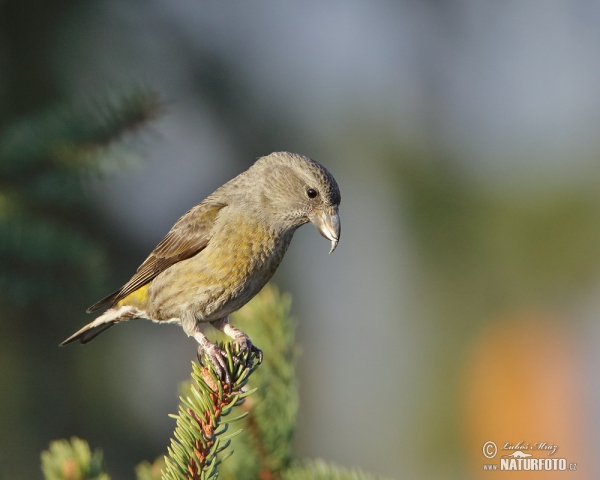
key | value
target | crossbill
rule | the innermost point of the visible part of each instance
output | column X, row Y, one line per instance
column 222, row 252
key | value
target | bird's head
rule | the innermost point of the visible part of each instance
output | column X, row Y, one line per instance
column 297, row 190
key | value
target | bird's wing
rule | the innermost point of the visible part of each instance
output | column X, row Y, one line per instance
column 188, row 236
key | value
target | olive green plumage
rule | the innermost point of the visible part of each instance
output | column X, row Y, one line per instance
column 225, row 249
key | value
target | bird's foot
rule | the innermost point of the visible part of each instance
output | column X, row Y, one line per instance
column 216, row 356
column 241, row 340
column 245, row 345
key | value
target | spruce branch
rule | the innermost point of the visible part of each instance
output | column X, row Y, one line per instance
column 72, row 135
column 46, row 230
column 264, row 448
column 72, row 460
column 200, row 437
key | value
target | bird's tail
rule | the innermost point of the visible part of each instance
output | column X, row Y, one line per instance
column 103, row 322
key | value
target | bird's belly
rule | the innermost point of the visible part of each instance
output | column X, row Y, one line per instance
column 215, row 283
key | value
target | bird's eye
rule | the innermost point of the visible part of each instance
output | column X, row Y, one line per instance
column 312, row 193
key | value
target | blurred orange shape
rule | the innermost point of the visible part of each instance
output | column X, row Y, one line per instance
column 523, row 387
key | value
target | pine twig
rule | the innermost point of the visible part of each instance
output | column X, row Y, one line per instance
column 264, row 448
column 200, row 437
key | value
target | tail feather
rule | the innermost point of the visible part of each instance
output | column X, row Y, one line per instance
column 103, row 322
column 87, row 333
column 109, row 300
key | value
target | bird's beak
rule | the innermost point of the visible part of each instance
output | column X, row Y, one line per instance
column 327, row 222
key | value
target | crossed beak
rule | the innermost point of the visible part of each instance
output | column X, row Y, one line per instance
column 327, row 222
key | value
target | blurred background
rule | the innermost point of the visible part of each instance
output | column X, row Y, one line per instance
column 462, row 304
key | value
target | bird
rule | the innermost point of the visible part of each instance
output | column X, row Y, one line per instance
column 223, row 251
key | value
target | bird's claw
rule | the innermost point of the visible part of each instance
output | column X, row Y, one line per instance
column 258, row 353
column 216, row 356
column 245, row 345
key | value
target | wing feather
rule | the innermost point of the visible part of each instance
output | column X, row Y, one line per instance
column 188, row 236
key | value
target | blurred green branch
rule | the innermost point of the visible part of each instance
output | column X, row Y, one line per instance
column 46, row 230
column 72, row 460
column 71, row 136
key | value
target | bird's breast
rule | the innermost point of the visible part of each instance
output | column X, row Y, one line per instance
column 238, row 261
column 246, row 255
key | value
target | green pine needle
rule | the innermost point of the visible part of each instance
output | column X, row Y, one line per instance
column 199, row 443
